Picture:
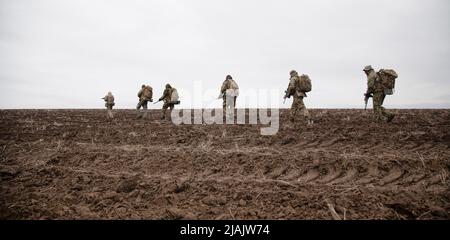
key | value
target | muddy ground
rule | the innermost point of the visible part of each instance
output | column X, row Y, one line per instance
column 72, row 164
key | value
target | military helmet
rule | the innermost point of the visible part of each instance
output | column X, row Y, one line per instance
column 228, row 77
column 293, row 72
column 368, row 68
column 168, row 86
column 143, row 86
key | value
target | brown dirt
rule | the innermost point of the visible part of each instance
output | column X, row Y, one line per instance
column 72, row 164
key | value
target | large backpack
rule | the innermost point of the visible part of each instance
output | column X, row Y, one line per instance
column 387, row 77
column 109, row 100
column 304, row 83
column 234, row 89
column 148, row 92
column 233, row 84
column 174, row 97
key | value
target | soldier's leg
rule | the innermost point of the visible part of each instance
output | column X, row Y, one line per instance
column 234, row 106
column 304, row 113
column 230, row 102
column 302, row 108
column 294, row 109
column 164, row 110
column 138, row 108
column 145, row 106
column 139, row 105
column 224, row 104
column 377, row 108
column 171, row 106
column 109, row 114
column 389, row 115
column 229, row 109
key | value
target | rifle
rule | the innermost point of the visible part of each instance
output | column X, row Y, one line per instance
column 157, row 102
column 366, row 99
column 286, row 95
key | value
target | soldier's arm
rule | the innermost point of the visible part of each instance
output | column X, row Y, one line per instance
column 370, row 85
column 140, row 93
column 291, row 86
column 165, row 93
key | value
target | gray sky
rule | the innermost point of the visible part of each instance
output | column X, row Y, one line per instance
column 69, row 53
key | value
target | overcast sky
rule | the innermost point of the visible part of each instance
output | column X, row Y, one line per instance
column 69, row 53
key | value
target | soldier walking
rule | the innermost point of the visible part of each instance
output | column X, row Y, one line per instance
column 170, row 98
column 298, row 87
column 229, row 92
column 145, row 95
column 109, row 104
column 377, row 90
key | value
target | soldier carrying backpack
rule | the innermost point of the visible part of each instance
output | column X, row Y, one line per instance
column 145, row 95
column 380, row 84
column 229, row 92
column 298, row 87
column 170, row 98
column 109, row 104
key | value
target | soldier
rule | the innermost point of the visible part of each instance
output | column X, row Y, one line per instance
column 145, row 95
column 376, row 90
column 298, row 91
column 167, row 98
column 229, row 92
column 109, row 103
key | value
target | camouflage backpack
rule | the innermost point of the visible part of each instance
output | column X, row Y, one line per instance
column 148, row 92
column 174, row 97
column 234, row 89
column 387, row 77
column 304, row 84
column 233, row 84
column 109, row 100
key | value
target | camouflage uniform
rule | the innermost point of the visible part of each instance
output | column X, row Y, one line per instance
column 109, row 103
column 143, row 100
column 166, row 97
column 376, row 89
column 228, row 101
column 298, row 109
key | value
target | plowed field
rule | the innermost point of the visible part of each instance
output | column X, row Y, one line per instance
column 73, row 164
